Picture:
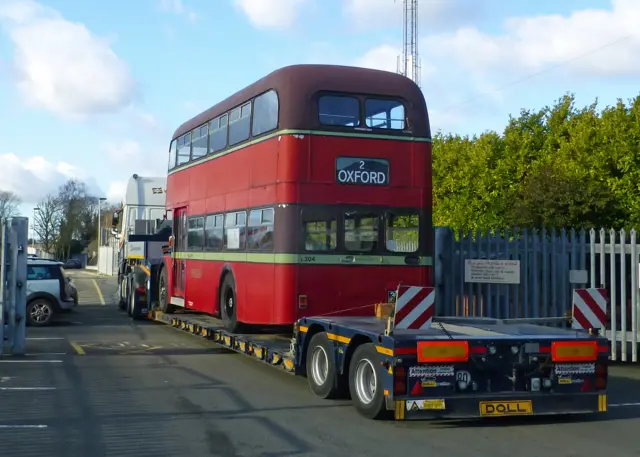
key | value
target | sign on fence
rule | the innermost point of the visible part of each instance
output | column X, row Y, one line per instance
column 492, row 271
column 589, row 309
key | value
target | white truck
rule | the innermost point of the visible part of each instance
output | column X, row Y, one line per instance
column 143, row 212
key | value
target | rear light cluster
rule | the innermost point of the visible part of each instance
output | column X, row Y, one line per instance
column 399, row 381
column 443, row 351
column 141, row 289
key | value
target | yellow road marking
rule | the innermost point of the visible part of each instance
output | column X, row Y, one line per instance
column 76, row 347
column 95, row 283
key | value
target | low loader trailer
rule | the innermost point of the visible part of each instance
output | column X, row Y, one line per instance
column 406, row 364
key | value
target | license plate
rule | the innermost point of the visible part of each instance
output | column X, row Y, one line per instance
column 506, row 408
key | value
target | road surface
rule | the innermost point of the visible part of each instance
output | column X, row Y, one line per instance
column 100, row 385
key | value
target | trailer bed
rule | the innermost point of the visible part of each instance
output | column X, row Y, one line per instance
column 273, row 349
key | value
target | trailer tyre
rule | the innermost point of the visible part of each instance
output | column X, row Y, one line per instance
column 321, row 367
column 229, row 304
column 365, row 382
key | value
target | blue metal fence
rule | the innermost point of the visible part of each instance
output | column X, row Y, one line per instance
column 549, row 260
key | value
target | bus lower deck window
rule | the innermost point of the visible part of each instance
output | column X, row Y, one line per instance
column 401, row 232
column 361, row 232
column 321, row 235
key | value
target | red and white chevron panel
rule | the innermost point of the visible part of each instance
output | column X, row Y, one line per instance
column 589, row 309
column 415, row 307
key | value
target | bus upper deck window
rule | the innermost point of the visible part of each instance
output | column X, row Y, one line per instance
column 385, row 114
column 339, row 111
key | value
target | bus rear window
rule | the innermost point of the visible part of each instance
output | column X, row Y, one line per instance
column 360, row 232
column 339, row 111
column 401, row 232
column 320, row 229
column 384, row 114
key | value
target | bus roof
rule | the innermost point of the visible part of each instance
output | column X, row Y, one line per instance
column 145, row 191
column 297, row 84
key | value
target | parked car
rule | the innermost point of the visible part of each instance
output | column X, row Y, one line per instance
column 49, row 291
column 72, row 264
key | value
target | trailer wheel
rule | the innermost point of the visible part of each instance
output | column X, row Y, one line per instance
column 163, row 292
column 321, row 367
column 229, row 305
column 365, row 382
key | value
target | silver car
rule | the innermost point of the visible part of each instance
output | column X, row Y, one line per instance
column 49, row 291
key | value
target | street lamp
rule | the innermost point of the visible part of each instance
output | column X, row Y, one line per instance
column 100, row 200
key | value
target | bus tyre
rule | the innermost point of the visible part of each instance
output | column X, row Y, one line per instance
column 163, row 292
column 229, row 305
column 365, row 382
column 321, row 367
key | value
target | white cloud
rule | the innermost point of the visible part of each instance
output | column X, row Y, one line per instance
column 129, row 156
column 271, row 14
column 590, row 42
column 116, row 191
column 384, row 57
column 60, row 65
column 33, row 177
column 123, row 153
column 178, row 7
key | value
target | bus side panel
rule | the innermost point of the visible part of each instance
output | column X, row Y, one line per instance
column 263, row 164
column 202, row 280
column 354, row 290
column 423, row 172
column 285, row 301
column 293, row 163
column 254, row 291
column 321, row 285
column 168, row 264
column 362, row 294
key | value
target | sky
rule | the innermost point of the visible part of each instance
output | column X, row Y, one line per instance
column 93, row 90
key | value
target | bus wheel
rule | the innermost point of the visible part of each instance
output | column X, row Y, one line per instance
column 321, row 367
column 228, row 304
column 163, row 292
column 365, row 382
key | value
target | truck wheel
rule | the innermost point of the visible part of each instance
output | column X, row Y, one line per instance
column 365, row 382
column 228, row 305
column 132, row 299
column 122, row 303
column 322, row 373
column 163, row 293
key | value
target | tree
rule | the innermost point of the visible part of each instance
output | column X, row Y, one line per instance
column 9, row 203
column 47, row 221
column 557, row 166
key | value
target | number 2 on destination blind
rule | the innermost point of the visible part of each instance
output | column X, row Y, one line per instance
column 362, row 164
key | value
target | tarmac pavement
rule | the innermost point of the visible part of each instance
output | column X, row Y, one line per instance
column 99, row 384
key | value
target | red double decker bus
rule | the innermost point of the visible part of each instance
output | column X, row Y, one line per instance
column 307, row 193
